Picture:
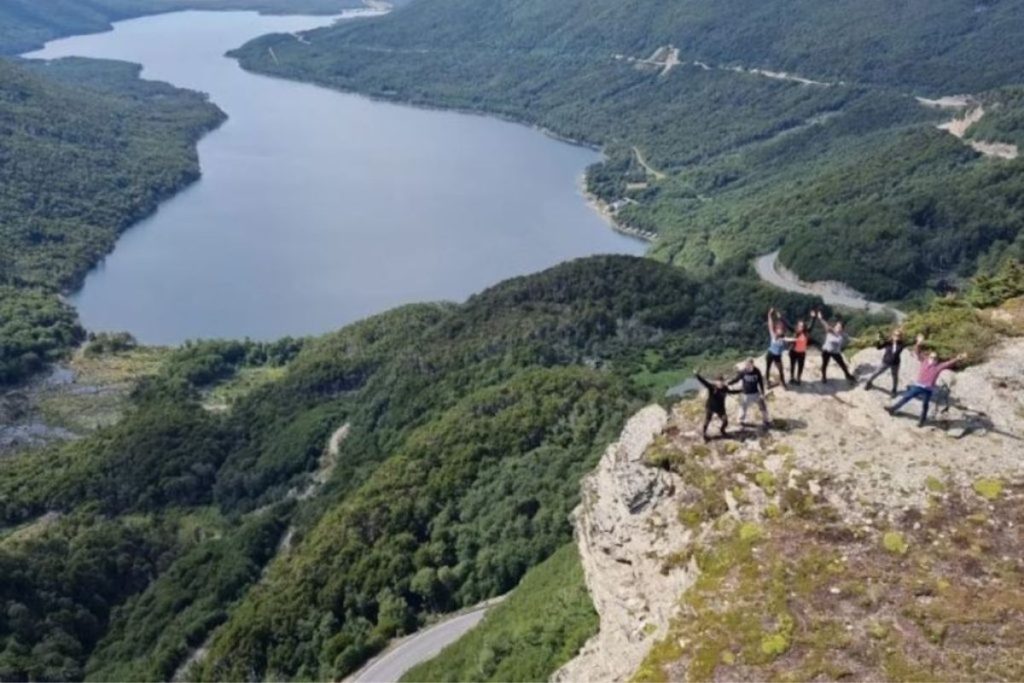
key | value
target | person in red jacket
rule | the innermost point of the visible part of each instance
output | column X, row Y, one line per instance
column 798, row 352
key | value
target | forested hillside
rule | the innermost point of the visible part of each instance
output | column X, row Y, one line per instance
column 86, row 149
column 720, row 153
column 469, row 428
column 941, row 46
column 427, row 458
column 27, row 24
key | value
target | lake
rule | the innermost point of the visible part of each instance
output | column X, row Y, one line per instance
column 317, row 208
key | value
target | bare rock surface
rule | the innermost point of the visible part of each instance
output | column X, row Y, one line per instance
column 626, row 524
column 833, row 441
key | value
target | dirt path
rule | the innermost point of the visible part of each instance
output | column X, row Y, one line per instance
column 671, row 60
column 325, row 467
column 658, row 175
column 959, row 125
column 832, row 293
column 781, row 76
column 664, row 58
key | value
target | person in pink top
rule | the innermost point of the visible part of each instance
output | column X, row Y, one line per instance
column 927, row 376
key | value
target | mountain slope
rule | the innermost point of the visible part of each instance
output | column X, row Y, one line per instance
column 470, row 426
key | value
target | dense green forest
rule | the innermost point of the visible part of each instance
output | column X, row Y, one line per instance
column 470, row 426
column 28, row 24
column 942, row 46
column 35, row 328
column 75, row 180
column 86, row 149
column 740, row 163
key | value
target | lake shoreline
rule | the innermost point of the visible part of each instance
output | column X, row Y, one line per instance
column 326, row 12
column 531, row 220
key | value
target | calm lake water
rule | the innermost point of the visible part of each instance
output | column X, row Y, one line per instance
column 318, row 208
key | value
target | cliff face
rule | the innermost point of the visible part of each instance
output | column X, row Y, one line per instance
column 843, row 543
column 626, row 524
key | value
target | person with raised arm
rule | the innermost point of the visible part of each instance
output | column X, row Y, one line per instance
column 753, row 391
column 892, row 350
column 718, row 391
column 776, row 347
column 927, row 376
column 832, row 347
column 798, row 352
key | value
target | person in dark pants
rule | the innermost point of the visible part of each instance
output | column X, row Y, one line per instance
column 927, row 376
column 892, row 350
column 715, row 404
column 776, row 347
column 753, row 391
column 832, row 347
column 798, row 352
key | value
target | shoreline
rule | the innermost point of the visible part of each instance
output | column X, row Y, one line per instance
column 68, row 291
column 604, row 210
column 333, row 11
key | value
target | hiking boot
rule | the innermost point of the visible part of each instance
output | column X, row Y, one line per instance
column 889, row 409
column 869, row 386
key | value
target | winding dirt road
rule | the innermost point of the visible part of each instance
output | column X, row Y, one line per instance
column 832, row 293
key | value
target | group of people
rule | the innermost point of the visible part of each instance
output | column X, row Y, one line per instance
column 796, row 340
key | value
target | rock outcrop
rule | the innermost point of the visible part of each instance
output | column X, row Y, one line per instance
column 731, row 556
column 975, row 430
column 626, row 525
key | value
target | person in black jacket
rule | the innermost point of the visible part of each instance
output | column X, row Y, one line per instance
column 715, row 404
column 753, row 391
column 892, row 350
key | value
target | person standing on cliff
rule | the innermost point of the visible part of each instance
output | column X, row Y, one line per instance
column 718, row 391
column 832, row 347
column 753, row 391
column 778, row 341
column 892, row 350
column 798, row 352
column 927, row 376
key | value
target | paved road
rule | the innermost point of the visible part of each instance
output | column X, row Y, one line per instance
column 418, row 647
column 771, row 271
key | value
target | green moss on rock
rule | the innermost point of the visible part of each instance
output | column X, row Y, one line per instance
column 989, row 489
column 894, row 542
